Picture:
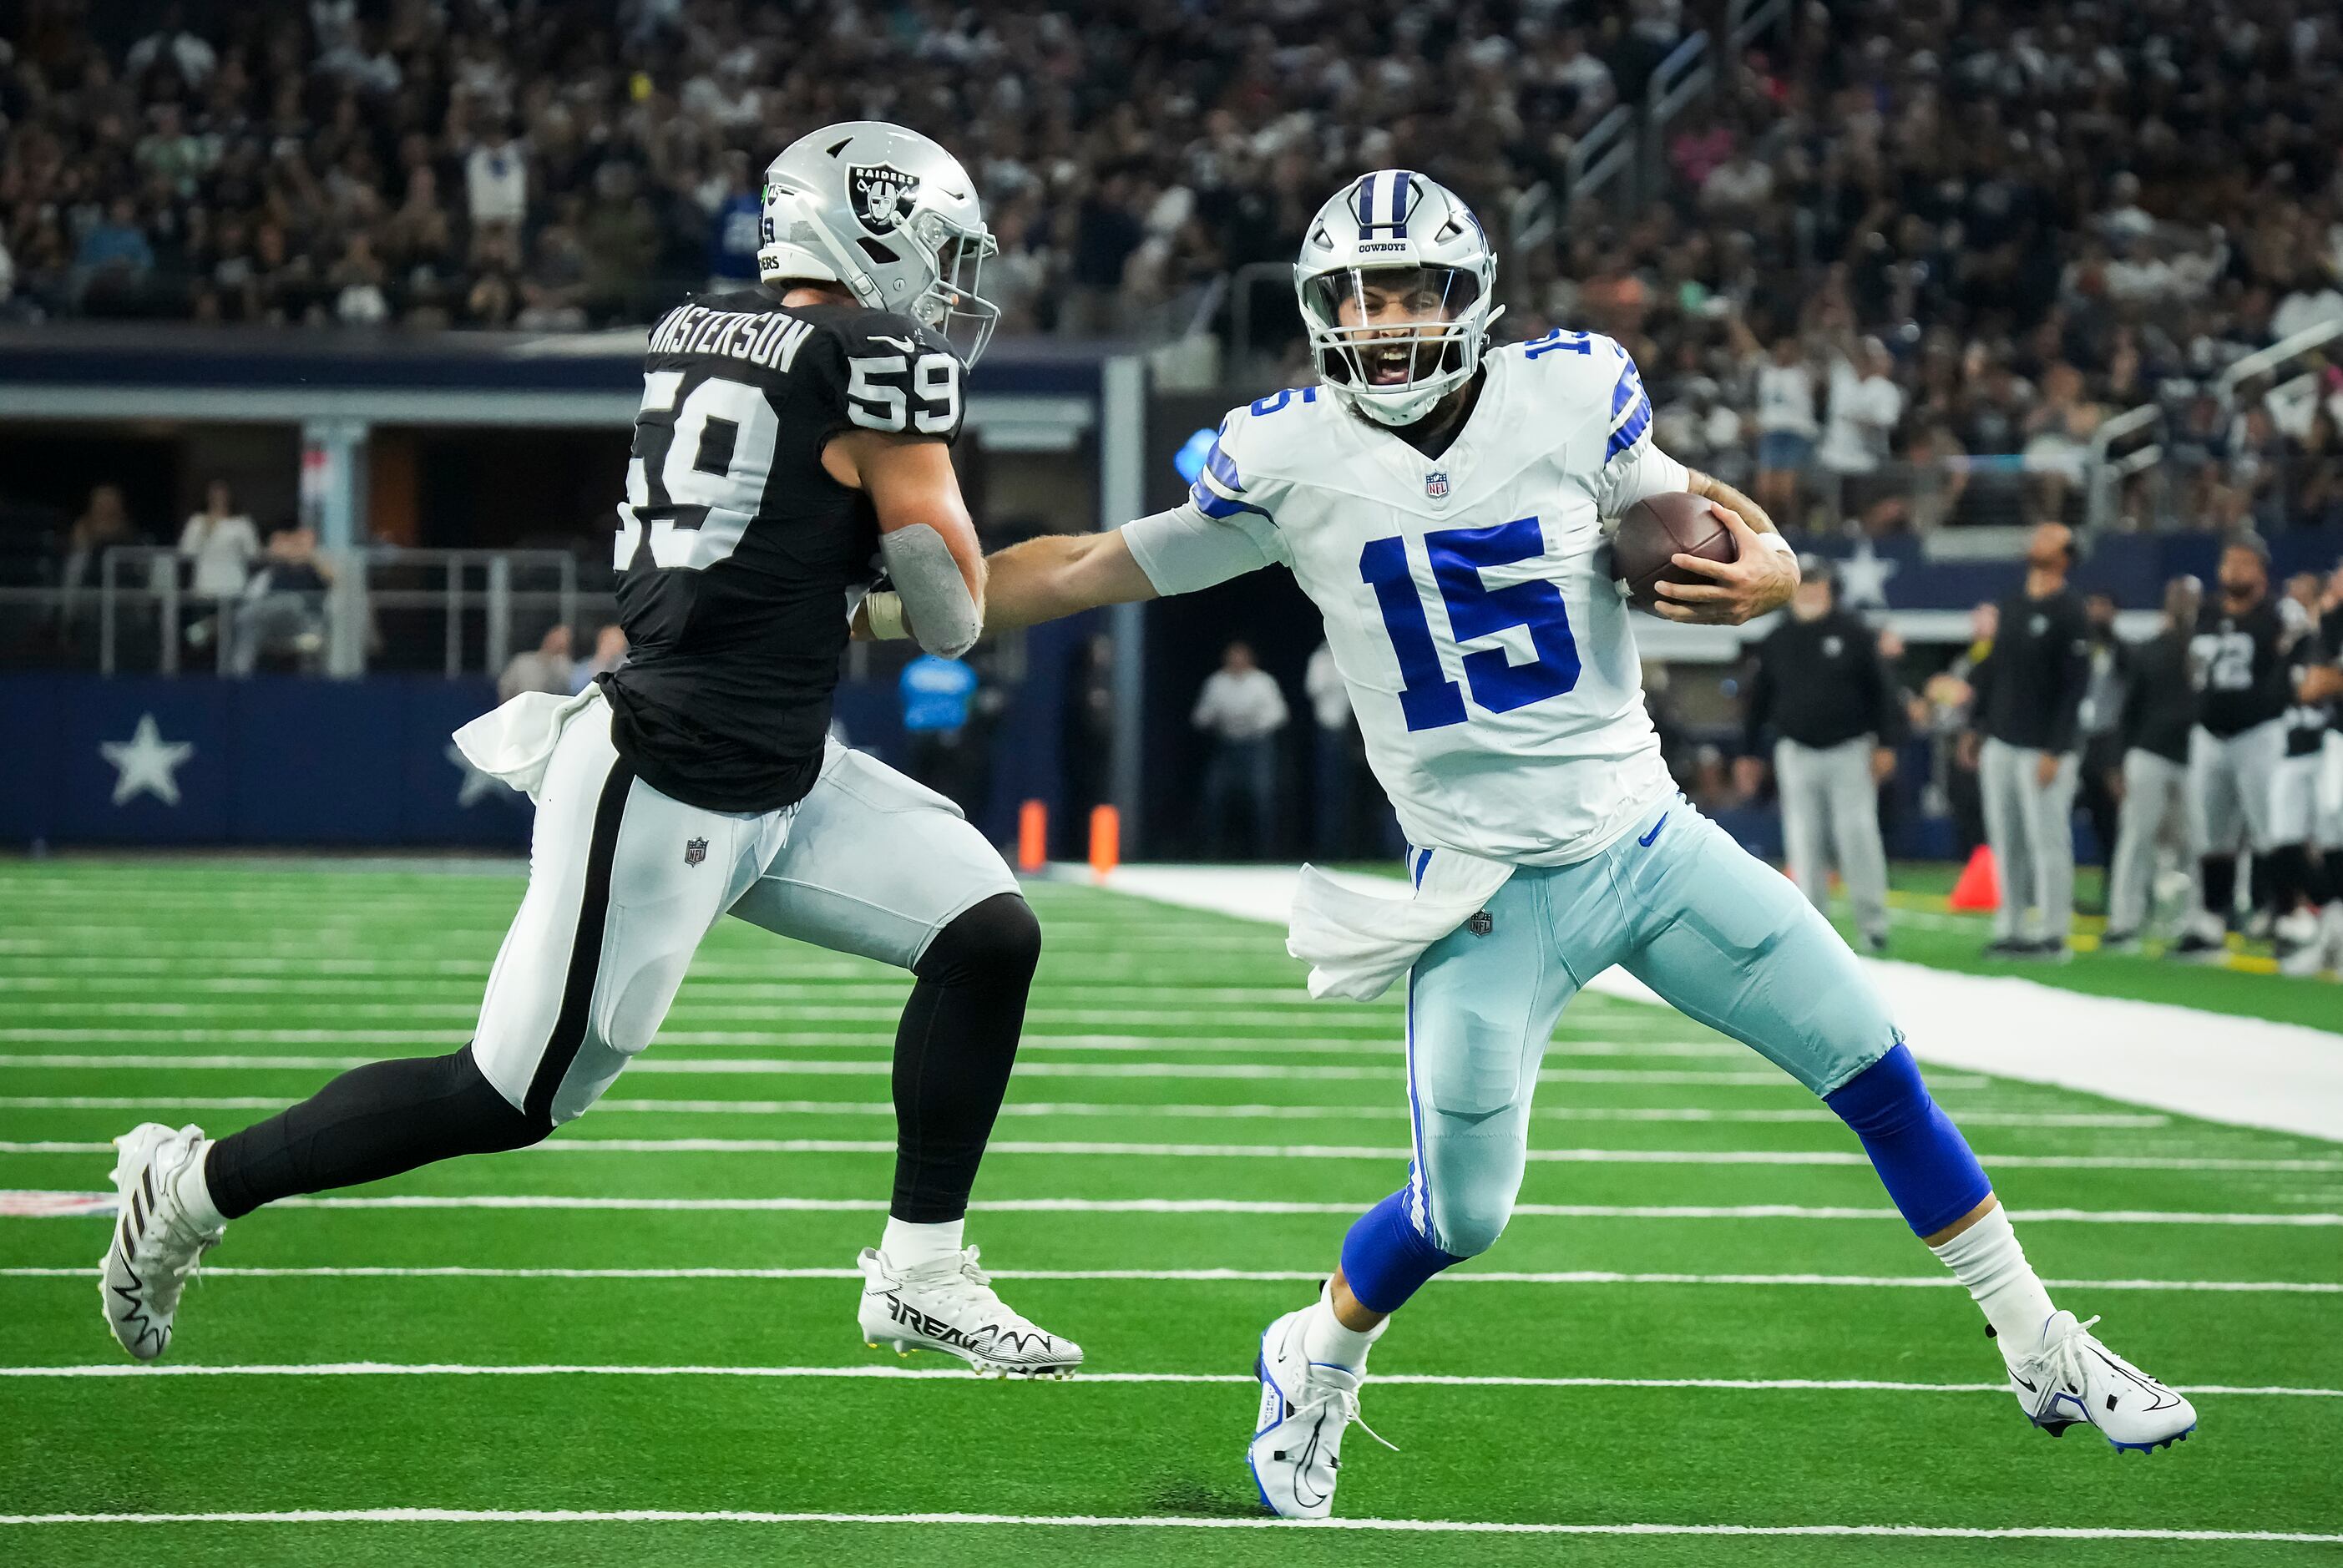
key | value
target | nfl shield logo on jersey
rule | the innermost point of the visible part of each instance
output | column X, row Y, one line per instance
column 695, row 852
column 882, row 194
column 1435, row 484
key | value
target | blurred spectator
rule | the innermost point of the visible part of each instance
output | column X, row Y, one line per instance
column 938, row 695
column 284, row 609
column 545, row 668
column 1864, row 405
column 609, row 652
column 104, row 524
column 1331, row 749
column 1241, row 708
column 735, row 228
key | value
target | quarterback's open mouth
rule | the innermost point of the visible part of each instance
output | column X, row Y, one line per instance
column 1391, row 367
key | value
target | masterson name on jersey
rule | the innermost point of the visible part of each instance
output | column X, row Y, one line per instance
column 768, row 338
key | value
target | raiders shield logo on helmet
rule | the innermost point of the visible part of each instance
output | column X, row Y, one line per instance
column 695, row 852
column 882, row 194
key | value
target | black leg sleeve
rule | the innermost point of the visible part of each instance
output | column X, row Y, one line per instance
column 372, row 1121
column 2219, row 874
column 953, row 1052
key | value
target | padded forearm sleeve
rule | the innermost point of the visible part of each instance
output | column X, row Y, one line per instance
column 935, row 596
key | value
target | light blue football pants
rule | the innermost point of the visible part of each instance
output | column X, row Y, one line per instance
column 1676, row 903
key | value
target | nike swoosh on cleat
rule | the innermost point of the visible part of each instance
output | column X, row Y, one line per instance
column 1646, row 839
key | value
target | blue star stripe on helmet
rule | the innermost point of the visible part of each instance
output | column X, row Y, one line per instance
column 1631, row 412
column 1402, row 186
column 1366, row 206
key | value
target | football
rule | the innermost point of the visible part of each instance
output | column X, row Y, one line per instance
column 1656, row 530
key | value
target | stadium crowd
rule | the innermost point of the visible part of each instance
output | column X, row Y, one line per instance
column 1950, row 234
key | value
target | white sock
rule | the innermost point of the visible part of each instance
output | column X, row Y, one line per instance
column 196, row 1193
column 909, row 1246
column 1325, row 1339
column 1987, row 1258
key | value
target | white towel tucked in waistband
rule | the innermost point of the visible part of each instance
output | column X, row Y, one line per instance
column 1356, row 942
column 516, row 742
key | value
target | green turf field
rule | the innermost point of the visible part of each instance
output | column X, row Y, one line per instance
column 654, row 1311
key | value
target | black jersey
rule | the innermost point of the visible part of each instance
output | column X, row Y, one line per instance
column 2238, row 664
column 740, row 559
column 2307, row 723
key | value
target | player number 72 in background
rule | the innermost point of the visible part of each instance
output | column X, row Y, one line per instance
column 1428, row 698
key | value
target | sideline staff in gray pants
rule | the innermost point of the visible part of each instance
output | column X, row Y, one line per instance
column 2159, row 710
column 2029, row 694
column 1821, row 686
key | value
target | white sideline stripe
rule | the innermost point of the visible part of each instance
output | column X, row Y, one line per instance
column 1829, row 1157
column 2286, row 1078
column 757, row 1067
column 1153, row 1521
column 1220, row 1276
column 46, row 1203
column 1134, row 1109
column 883, row 1373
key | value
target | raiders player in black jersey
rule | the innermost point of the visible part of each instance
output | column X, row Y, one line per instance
column 792, row 439
column 2238, row 661
column 2309, row 937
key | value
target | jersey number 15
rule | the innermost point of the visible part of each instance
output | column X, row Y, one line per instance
column 1427, row 698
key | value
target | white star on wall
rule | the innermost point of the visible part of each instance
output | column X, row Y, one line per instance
column 1863, row 578
column 477, row 785
column 145, row 763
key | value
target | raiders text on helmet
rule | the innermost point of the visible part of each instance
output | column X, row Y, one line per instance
column 889, row 214
column 1395, row 280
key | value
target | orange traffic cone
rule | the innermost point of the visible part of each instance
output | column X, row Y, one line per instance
column 1979, row 887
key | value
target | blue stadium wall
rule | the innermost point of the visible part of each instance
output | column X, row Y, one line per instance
column 293, row 761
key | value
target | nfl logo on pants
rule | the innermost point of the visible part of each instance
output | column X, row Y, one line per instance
column 695, row 852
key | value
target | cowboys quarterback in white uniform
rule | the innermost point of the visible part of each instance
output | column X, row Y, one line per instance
column 1446, row 505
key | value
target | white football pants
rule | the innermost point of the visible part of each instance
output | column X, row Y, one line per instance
column 624, row 881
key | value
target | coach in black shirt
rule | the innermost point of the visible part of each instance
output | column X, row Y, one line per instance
column 2159, row 711
column 2029, row 694
column 1822, row 688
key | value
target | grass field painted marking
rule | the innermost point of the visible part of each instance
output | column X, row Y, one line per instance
column 1157, row 1521
column 1838, row 1158
column 749, row 1067
column 43, row 1203
column 1223, row 1276
column 883, row 1372
column 1062, row 1108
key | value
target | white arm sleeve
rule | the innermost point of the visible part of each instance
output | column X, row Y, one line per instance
column 1182, row 550
column 1643, row 471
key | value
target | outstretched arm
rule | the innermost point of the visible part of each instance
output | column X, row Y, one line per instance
column 1060, row 574
column 1760, row 580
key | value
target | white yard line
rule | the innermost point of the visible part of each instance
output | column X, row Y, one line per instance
column 46, row 1204
column 1156, row 1521
column 1238, row 1112
column 879, row 1068
column 2246, row 1071
column 1224, row 1276
column 1117, row 1151
column 882, row 1373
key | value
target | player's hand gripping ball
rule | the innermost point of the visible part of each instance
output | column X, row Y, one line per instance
column 1684, row 557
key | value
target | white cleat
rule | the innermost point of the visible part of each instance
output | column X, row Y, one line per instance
column 2070, row 1377
column 952, row 1307
column 155, row 1241
column 2300, row 941
column 1305, row 1406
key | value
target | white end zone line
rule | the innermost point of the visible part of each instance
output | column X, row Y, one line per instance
column 38, row 1203
column 1835, row 1158
column 1157, row 1522
column 882, row 1373
column 2249, row 1071
column 1217, row 1276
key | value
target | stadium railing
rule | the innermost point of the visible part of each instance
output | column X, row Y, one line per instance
column 386, row 608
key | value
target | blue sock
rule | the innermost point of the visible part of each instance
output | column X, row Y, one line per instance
column 1920, row 1155
column 1385, row 1258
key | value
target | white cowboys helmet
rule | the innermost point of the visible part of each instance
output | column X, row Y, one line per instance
column 889, row 214
column 1395, row 281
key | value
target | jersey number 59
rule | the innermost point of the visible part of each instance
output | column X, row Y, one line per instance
column 1428, row 698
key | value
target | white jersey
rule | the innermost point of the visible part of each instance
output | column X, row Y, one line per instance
column 1467, row 598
